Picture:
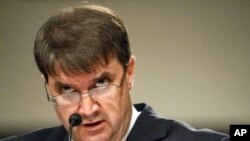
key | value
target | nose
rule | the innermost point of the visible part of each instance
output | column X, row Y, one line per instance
column 88, row 106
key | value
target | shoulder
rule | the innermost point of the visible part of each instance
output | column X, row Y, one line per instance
column 156, row 127
column 181, row 130
column 45, row 134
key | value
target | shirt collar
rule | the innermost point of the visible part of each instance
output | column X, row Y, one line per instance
column 134, row 117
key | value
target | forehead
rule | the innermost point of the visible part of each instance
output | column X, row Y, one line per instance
column 113, row 67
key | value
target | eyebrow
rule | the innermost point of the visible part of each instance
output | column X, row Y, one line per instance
column 105, row 74
column 59, row 85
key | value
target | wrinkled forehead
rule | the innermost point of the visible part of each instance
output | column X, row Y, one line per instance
column 60, row 71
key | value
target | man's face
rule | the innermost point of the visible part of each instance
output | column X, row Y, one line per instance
column 106, row 120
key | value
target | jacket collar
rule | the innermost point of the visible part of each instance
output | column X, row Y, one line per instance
column 149, row 124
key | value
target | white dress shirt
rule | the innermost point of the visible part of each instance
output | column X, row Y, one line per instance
column 134, row 117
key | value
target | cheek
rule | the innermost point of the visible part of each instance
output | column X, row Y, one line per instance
column 110, row 110
column 116, row 110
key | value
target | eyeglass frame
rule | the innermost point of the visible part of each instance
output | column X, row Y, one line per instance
column 51, row 98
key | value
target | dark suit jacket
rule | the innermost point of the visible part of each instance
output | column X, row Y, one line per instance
column 148, row 127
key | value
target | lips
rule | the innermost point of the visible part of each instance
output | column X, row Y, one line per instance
column 93, row 124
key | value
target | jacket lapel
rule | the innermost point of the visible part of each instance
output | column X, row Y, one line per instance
column 149, row 126
column 59, row 134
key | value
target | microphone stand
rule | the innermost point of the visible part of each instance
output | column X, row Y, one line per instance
column 74, row 120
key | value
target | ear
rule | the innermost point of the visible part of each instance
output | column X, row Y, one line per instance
column 43, row 78
column 130, row 72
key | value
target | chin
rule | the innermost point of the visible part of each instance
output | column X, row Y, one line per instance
column 97, row 137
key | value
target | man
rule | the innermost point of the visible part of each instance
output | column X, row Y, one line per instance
column 85, row 58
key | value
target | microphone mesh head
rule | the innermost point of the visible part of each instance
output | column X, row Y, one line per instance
column 75, row 119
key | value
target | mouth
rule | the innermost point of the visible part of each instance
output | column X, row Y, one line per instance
column 93, row 124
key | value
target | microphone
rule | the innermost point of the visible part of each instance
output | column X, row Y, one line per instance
column 74, row 120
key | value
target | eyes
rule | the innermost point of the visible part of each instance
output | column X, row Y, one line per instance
column 66, row 90
column 102, row 82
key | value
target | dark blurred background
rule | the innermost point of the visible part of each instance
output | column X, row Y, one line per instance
column 193, row 60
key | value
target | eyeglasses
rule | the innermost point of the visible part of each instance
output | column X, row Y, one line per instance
column 73, row 99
